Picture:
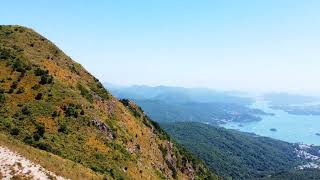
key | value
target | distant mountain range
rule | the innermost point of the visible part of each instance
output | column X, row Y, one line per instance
column 279, row 99
column 177, row 104
column 171, row 94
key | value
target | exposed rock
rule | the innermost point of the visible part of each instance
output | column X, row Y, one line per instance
column 103, row 128
column 15, row 166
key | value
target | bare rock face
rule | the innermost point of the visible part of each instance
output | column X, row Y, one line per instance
column 103, row 128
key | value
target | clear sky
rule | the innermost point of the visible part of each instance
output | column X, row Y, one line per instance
column 222, row 44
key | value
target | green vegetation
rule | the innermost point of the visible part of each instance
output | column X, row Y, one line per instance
column 50, row 103
column 71, row 110
column 85, row 93
column 234, row 154
column 2, row 98
column 184, row 158
column 45, row 78
column 307, row 174
column 19, row 66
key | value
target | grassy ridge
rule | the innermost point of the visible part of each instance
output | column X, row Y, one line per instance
column 51, row 103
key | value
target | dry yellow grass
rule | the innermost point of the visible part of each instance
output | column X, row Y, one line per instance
column 135, row 151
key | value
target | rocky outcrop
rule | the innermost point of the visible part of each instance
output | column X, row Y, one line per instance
column 103, row 128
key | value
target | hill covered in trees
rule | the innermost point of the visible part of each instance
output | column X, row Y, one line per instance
column 238, row 155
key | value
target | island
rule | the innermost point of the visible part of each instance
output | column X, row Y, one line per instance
column 313, row 110
column 273, row 129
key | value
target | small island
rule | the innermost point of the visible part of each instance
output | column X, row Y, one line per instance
column 313, row 110
column 318, row 134
column 273, row 129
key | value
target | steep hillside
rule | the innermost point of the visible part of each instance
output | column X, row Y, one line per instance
column 242, row 155
column 51, row 103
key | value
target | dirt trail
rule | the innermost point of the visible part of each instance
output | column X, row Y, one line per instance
column 15, row 165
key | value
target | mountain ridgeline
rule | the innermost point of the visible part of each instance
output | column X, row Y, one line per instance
column 51, row 104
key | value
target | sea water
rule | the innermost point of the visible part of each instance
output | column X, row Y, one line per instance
column 282, row 126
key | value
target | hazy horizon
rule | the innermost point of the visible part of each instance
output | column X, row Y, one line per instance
column 242, row 92
column 251, row 46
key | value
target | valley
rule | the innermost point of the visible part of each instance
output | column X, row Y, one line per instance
column 237, row 140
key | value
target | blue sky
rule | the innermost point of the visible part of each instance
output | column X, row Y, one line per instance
column 251, row 45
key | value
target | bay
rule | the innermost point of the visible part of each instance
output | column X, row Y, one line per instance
column 282, row 126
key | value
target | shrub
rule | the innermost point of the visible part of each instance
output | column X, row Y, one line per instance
column 39, row 133
column 82, row 112
column 85, row 93
column 40, row 72
column 36, row 137
column 14, row 85
column 38, row 96
column 55, row 114
column 10, row 91
column 19, row 66
column 63, row 128
column 70, row 110
column 163, row 150
column 40, row 129
column 45, row 77
column 25, row 111
column 2, row 98
column 5, row 54
column 7, row 122
column 28, row 140
column 15, row 131
column 36, row 87
column 45, row 147
column 73, row 69
column 20, row 90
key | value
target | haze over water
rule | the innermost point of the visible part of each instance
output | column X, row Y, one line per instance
column 289, row 127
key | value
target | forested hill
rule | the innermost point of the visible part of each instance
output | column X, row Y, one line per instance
column 239, row 155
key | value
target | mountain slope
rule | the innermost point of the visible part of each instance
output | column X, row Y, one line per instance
column 50, row 102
